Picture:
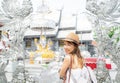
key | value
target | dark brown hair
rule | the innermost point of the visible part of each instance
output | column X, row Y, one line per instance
column 76, row 51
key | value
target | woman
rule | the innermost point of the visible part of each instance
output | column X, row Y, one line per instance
column 73, row 69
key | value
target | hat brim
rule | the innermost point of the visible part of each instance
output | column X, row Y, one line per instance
column 71, row 40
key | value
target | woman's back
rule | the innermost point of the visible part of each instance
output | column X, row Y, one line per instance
column 75, row 63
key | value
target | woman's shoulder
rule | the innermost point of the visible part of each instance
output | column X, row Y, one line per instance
column 67, row 56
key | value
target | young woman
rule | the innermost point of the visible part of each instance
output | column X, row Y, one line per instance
column 73, row 69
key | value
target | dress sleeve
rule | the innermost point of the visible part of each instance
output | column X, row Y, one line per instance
column 64, row 66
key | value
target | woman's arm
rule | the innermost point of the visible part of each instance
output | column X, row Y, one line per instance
column 64, row 67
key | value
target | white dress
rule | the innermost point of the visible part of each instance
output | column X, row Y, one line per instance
column 81, row 75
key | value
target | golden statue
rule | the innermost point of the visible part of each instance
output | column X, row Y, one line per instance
column 44, row 50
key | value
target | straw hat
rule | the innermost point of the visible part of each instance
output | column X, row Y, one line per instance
column 72, row 37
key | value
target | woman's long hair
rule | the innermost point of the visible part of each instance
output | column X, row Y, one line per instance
column 76, row 52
